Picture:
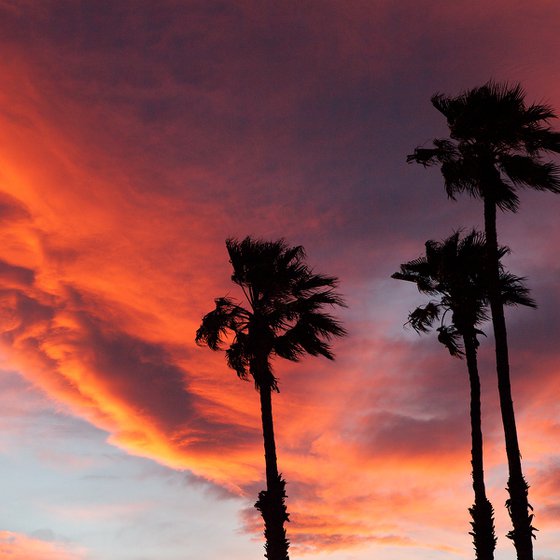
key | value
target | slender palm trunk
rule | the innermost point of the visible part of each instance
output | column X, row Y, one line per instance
column 482, row 512
column 271, row 501
column 517, row 504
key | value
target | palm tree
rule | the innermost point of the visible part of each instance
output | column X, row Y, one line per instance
column 283, row 317
column 455, row 271
column 496, row 146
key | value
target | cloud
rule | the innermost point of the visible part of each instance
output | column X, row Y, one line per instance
column 11, row 209
column 120, row 382
column 17, row 546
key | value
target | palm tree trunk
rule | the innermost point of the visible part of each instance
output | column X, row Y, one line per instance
column 482, row 512
column 271, row 501
column 517, row 504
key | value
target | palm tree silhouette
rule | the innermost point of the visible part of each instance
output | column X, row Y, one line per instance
column 454, row 270
column 496, row 146
column 284, row 317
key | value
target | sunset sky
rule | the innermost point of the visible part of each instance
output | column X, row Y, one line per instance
column 135, row 137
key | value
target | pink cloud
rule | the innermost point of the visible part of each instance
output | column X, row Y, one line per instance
column 16, row 546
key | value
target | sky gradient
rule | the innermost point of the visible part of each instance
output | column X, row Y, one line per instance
column 135, row 137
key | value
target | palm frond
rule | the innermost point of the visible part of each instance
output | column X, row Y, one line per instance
column 301, row 339
column 418, row 271
column 307, row 281
column 537, row 113
column 309, row 335
column 513, row 291
column 238, row 355
column 541, row 139
column 526, row 171
column 422, row 318
column 450, row 337
column 312, row 302
column 502, row 193
column 227, row 315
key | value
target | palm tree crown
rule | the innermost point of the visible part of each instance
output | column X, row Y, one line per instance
column 455, row 270
column 284, row 315
column 495, row 146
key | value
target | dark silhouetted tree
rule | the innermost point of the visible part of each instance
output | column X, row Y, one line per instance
column 495, row 146
column 454, row 271
column 283, row 316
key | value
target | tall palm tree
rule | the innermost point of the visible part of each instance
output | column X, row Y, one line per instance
column 284, row 316
column 496, row 146
column 454, row 271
